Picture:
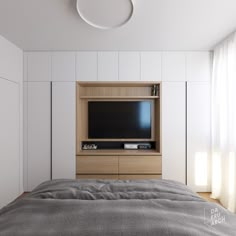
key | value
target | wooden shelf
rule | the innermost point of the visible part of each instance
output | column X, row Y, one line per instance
column 118, row 140
column 119, row 97
column 104, row 162
column 120, row 152
column 117, row 83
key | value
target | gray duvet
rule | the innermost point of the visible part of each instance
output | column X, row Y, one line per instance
column 114, row 208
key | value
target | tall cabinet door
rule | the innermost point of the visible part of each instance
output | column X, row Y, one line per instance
column 63, row 130
column 9, row 139
column 198, row 136
column 173, row 131
column 38, row 133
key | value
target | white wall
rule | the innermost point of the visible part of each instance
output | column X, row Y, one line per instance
column 11, row 122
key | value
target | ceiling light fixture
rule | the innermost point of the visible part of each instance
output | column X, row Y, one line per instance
column 105, row 14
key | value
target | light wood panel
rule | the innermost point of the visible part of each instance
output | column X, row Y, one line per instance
column 140, row 165
column 96, row 176
column 121, row 177
column 120, row 152
column 133, row 177
column 126, row 162
column 116, row 83
column 119, row 91
column 118, row 97
column 97, row 165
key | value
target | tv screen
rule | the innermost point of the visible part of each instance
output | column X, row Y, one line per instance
column 119, row 119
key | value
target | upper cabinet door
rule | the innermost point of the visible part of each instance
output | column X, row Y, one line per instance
column 63, row 130
column 199, row 66
column 11, row 61
column 174, row 66
column 151, row 66
column 63, row 66
column 108, row 66
column 198, row 135
column 39, row 66
column 129, row 66
column 86, row 66
column 173, row 131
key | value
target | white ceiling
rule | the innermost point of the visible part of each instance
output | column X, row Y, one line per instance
column 155, row 25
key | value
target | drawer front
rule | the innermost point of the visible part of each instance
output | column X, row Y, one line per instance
column 97, row 165
column 97, row 177
column 133, row 177
column 140, row 165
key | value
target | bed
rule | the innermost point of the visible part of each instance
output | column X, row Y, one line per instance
column 115, row 207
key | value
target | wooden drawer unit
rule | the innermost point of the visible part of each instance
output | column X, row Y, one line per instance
column 97, row 165
column 139, row 165
column 133, row 177
column 96, row 176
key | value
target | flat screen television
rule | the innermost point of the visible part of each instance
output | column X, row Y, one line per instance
column 119, row 119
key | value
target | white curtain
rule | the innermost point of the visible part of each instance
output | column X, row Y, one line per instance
column 224, row 123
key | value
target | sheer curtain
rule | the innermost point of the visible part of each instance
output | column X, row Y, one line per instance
column 224, row 123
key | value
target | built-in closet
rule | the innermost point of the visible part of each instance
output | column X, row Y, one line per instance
column 50, row 108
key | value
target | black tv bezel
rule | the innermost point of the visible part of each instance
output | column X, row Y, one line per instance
column 142, row 138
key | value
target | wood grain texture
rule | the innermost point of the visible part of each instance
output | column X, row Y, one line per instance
column 140, row 165
column 131, row 163
column 120, row 152
column 97, row 165
column 116, row 91
column 133, row 177
column 96, row 176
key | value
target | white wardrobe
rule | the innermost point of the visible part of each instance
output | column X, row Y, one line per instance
column 49, row 113
column 11, row 122
column 185, row 121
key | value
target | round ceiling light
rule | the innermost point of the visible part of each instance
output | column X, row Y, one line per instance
column 105, row 14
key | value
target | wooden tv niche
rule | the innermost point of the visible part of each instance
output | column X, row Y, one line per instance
column 110, row 160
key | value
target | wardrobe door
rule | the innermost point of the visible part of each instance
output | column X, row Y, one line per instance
column 198, row 136
column 174, row 66
column 108, row 66
column 63, row 130
column 39, row 66
column 38, row 133
column 10, row 143
column 173, row 131
column 63, row 66
column 86, row 66
column 151, row 63
column 198, row 66
column 129, row 66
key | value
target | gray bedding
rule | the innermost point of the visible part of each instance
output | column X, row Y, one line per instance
column 114, row 208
